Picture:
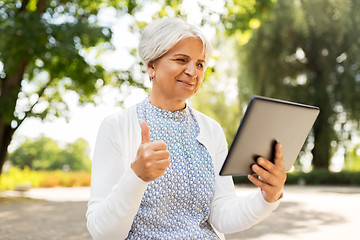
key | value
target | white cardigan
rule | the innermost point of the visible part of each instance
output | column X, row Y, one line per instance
column 116, row 191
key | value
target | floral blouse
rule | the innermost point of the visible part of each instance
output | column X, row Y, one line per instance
column 177, row 204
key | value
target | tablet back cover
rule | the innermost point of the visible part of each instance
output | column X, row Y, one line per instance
column 266, row 122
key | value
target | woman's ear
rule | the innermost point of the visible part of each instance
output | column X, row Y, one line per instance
column 151, row 69
column 151, row 64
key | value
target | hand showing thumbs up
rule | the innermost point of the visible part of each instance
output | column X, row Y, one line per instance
column 152, row 158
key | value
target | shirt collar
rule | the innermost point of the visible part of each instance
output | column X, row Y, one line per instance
column 177, row 115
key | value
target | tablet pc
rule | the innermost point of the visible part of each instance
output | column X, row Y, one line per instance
column 267, row 121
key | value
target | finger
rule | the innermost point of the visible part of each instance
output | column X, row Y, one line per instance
column 265, row 164
column 162, row 164
column 145, row 132
column 257, row 182
column 158, row 145
column 279, row 160
column 275, row 171
column 264, row 175
column 161, row 154
column 270, row 193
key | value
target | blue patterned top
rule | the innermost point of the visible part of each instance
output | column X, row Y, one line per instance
column 177, row 204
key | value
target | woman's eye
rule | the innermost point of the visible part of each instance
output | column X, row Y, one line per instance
column 180, row 59
column 200, row 65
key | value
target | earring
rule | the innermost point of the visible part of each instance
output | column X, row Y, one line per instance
column 152, row 77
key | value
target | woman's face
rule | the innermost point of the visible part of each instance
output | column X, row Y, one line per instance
column 178, row 74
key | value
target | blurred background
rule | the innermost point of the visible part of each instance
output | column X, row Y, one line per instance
column 65, row 65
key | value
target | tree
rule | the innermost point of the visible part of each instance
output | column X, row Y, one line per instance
column 77, row 155
column 212, row 102
column 237, row 23
column 242, row 16
column 309, row 52
column 43, row 47
column 352, row 161
column 217, row 96
column 45, row 154
column 42, row 153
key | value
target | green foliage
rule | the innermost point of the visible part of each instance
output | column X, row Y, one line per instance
column 324, row 177
column 45, row 43
column 213, row 103
column 44, row 48
column 240, row 18
column 16, row 176
column 316, row 177
column 77, row 155
column 27, row 177
column 244, row 15
column 352, row 159
column 308, row 51
column 44, row 154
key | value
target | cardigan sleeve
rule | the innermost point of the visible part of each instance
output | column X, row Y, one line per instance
column 230, row 213
column 116, row 191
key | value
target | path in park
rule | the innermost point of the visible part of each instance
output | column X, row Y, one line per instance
column 313, row 213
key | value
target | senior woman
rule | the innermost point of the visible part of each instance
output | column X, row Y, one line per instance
column 155, row 172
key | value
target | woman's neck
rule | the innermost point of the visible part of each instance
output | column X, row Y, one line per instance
column 171, row 105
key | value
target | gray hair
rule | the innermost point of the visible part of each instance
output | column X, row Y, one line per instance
column 163, row 34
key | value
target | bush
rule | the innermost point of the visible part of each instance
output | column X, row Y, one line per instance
column 324, row 177
column 45, row 154
column 316, row 177
column 15, row 176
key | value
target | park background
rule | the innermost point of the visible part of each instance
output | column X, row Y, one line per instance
column 65, row 65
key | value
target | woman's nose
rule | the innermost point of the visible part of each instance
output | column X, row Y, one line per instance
column 191, row 70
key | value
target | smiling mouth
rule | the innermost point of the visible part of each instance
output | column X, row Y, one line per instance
column 186, row 83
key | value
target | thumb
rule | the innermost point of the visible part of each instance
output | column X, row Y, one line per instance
column 145, row 132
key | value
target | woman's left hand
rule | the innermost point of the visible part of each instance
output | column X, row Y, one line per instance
column 272, row 176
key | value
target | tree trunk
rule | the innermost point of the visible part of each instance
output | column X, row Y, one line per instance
column 6, row 133
column 323, row 127
column 323, row 130
column 9, row 92
column 322, row 134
